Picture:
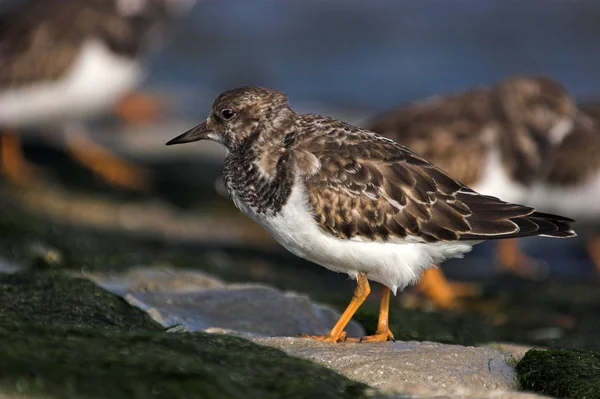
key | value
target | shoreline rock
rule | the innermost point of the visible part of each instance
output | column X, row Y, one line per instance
column 199, row 302
column 406, row 367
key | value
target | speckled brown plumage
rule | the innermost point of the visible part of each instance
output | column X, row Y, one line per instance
column 578, row 158
column 358, row 184
column 457, row 131
column 41, row 39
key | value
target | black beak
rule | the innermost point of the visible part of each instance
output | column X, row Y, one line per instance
column 199, row 132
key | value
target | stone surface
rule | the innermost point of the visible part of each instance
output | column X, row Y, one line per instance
column 420, row 369
column 156, row 279
column 197, row 301
column 457, row 393
column 513, row 352
column 8, row 267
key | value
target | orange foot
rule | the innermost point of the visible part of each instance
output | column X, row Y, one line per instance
column 109, row 167
column 341, row 337
column 13, row 164
column 139, row 108
column 444, row 293
column 380, row 336
column 337, row 333
column 512, row 259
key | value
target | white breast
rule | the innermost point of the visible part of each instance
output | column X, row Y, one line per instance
column 96, row 81
column 394, row 264
column 496, row 182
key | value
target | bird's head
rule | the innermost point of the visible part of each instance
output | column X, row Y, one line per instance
column 539, row 104
column 238, row 113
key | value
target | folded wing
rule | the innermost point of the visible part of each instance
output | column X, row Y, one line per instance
column 370, row 188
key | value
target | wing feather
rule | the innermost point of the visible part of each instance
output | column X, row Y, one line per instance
column 371, row 188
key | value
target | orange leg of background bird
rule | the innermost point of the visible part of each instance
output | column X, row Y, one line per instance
column 13, row 164
column 383, row 332
column 512, row 259
column 108, row 166
column 444, row 293
column 139, row 108
column 593, row 248
column 337, row 333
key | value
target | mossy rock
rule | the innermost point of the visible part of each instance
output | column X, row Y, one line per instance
column 52, row 298
column 65, row 337
column 562, row 373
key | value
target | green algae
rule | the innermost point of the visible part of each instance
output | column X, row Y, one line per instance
column 50, row 298
column 562, row 373
column 86, row 362
column 64, row 337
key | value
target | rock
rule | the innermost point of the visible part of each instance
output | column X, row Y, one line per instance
column 513, row 352
column 8, row 267
column 66, row 337
column 416, row 368
column 197, row 301
column 563, row 373
column 461, row 393
column 156, row 279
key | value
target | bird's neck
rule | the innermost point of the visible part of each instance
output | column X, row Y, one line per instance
column 258, row 175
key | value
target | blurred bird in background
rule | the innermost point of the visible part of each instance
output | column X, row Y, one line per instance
column 572, row 180
column 497, row 139
column 63, row 62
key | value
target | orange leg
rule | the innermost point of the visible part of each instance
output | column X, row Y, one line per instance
column 138, row 108
column 337, row 333
column 593, row 248
column 108, row 166
column 13, row 164
column 383, row 332
column 444, row 293
column 512, row 259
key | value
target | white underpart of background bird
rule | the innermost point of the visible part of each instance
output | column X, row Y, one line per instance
column 97, row 79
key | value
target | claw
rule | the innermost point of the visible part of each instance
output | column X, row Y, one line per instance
column 380, row 336
column 341, row 337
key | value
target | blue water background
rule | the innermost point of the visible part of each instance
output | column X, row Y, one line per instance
column 367, row 56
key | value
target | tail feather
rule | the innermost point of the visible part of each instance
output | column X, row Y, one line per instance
column 535, row 224
column 492, row 219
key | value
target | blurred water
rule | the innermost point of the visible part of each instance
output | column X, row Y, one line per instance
column 367, row 56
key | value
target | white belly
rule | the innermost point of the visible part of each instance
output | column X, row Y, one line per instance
column 394, row 264
column 95, row 82
column 495, row 181
column 579, row 201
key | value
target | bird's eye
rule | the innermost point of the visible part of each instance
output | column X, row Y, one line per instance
column 227, row 114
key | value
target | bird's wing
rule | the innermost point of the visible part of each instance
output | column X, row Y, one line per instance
column 368, row 187
column 40, row 41
column 31, row 50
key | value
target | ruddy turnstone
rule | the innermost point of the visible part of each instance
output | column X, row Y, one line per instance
column 497, row 139
column 351, row 200
column 63, row 61
column 572, row 183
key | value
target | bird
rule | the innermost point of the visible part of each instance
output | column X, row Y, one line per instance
column 351, row 200
column 63, row 62
column 498, row 139
column 572, row 180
